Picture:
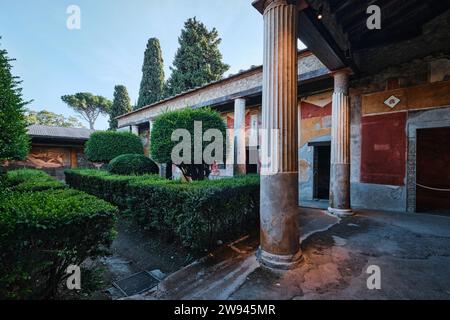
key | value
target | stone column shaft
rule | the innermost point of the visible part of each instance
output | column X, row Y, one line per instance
column 280, row 244
column 239, row 137
column 340, row 147
column 135, row 130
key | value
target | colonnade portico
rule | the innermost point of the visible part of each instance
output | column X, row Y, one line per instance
column 279, row 239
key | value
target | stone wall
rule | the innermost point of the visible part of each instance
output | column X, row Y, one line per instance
column 424, row 94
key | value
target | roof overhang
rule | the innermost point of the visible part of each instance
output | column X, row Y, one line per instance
column 341, row 38
column 315, row 36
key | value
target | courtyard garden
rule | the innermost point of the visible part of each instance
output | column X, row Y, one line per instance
column 123, row 208
column 119, row 211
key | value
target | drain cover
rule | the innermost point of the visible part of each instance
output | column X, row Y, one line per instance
column 137, row 283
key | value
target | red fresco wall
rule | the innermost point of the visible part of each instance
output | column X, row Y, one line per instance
column 309, row 110
column 383, row 149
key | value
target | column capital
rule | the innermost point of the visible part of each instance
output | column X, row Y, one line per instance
column 240, row 99
column 341, row 79
column 262, row 5
column 344, row 71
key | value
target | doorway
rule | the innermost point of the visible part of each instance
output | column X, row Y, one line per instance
column 433, row 171
column 321, row 171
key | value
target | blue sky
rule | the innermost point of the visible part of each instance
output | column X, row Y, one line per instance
column 108, row 50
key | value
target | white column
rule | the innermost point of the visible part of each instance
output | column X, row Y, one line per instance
column 150, row 127
column 280, row 244
column 239, row 137
column 135, row 130
column 340, row 147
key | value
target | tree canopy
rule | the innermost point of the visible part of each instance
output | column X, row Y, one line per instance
column 88, row 106
column 152, row 83
column 194, row 149
column 48, row 118
column 121, row 105
column 103, row 146
column 198, row 60
column 14, row 141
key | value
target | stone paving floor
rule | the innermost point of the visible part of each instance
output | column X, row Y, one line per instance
column 411, row 250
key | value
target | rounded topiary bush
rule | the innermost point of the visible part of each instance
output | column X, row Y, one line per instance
column 163, row 145
column 103, row 146
column 137, row 164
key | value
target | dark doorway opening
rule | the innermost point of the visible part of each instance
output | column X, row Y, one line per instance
column 433, row 170
column 251, row 159
column 322, row 157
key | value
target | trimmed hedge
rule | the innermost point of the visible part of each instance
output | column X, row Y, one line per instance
column 31, row 180
column 103, row 146
column 104, row 185
column 198, row 214
column 42, row 233
column 137, row 164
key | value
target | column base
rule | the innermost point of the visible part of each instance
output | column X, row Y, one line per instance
column 279, row 262
column 239, row 170
column 341, row 212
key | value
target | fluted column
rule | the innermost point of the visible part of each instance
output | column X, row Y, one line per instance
column 280, row 244
column 239, row 137
column 340, row 147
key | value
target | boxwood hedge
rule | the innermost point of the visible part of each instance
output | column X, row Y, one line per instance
column 42, row 233
column 105, row 185
column 31, row 180
column 103, row 146
column 136, row 164
column 198, row 214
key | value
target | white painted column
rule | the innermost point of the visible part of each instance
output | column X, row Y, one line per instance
column 280, row 243
column 340, row 147
column 135, row 130
column 150, row 127
column 239, row 137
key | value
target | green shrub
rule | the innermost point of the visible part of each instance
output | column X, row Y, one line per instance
column 198, row 214
column 16, row 177
column 3, row 182
column 42, row 233
column 103, row 184
column 166, row 123
column 103, row 146
column 31, row 180
column 133, row 164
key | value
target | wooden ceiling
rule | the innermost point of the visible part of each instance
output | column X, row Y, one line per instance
column 347, row 19
column 342, row 33
column 400, row 19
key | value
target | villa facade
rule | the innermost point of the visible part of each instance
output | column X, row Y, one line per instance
column 363, row 116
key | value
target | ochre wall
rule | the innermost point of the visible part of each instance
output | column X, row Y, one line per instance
column 315, row 117
column 430, row 95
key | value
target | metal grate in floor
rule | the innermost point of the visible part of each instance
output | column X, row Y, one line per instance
column 136, row 283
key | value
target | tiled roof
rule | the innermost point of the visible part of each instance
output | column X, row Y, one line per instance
column 229, row 77
column 59, row 132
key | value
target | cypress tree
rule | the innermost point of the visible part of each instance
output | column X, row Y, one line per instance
column 120, row 106
column 198, row 60
column 14, row 141
column 152, row 83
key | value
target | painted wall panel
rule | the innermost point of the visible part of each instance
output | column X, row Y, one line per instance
column 383, row 149
column 425, row 96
